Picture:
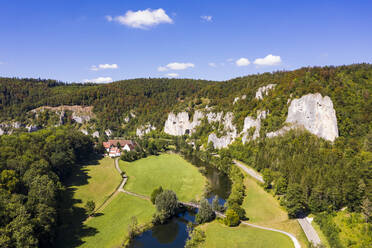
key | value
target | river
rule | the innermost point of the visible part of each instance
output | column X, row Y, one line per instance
column 174, row 233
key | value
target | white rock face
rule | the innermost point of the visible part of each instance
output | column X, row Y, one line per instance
column 229, row 128
column 1, row 131
column 264, row 90
column 108, row 132
column 214, row 117
column 221, row 142
column 180, row 124
column 314, row 113
column 79, row 118
column 32, row 128
column 238, row 98
column 142, row 130
column 280, row 132
column 249, row 122
column 84, row 131
column 95, row 134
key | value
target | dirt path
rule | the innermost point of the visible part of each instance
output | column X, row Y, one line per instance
column 249, row 171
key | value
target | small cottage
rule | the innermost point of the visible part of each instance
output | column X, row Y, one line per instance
column 114, row 147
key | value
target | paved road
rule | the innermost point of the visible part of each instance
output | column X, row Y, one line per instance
column 309, row 230
column 249, row 171
column 306, row 226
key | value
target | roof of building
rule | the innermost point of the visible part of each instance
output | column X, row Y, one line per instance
column 122, row 143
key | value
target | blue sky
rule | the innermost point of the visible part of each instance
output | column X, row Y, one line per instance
column 78, row 40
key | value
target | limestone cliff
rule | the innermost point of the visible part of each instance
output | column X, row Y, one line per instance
column 249, row 122
column 264, row 90
column 180, row 124
column 145, row 129
column 229, row 129
column 314, row 113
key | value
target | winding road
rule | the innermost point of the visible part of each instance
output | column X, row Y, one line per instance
column 306, row 226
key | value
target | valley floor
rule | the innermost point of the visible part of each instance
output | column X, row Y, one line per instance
column 109, row 227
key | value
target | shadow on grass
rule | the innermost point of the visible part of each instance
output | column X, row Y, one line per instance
column 71, row 228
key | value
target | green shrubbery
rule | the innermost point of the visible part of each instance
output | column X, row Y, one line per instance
column 205, row 212
column 232, row 218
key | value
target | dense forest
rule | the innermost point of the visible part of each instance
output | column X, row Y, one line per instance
column 33, row 167
column 307, row 173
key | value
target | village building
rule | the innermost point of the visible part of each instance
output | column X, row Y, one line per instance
column 116, row 146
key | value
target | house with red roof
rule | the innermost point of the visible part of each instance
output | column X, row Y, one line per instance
column 115, row 146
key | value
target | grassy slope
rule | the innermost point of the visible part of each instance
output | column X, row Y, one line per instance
column 112, row 225
column 102, row 181
column 263, row 209
column 168, row 170
column 242, row 236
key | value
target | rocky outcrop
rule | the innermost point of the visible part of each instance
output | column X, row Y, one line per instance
column 32, row 128
column 214, row 117
column 108, row 132
column 230, row 133
column 236, row 99
column 95, row 134
column 221, row 142
column 143, row 130
column 264, row 90
column 80, row 114
column 249, row 123
column 314, row 113
column 84, row 131
column 180, row 124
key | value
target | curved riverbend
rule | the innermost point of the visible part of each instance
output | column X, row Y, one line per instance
column 296, row 243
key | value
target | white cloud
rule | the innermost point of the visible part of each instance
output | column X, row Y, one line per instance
column 268, row 60
column 103, row 67
column 212, row 64
column 162, row 68
column 171, row 75
column 207, row 18
column 99, row 80
column 142, row 18
column 176, row 66
column 242, row 62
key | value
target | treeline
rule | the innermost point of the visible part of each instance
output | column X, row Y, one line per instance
column 152, row 99
column 32, row 167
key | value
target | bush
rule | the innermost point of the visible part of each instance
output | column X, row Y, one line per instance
column 167, row 203
column 89, row 207
column 155, row 193
column 195, row 239
column 205, row 213
column 216, row 206
column 232, row 218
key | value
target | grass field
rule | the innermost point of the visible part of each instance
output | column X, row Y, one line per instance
column 167, row 170
column 95, row 182
column 112, row 225
column 263, row 209
column 219, row 235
